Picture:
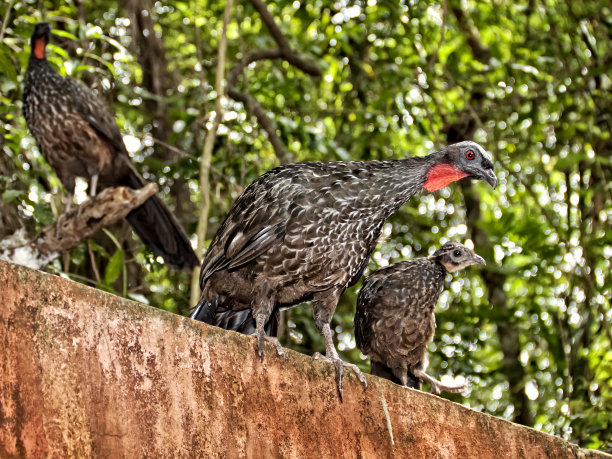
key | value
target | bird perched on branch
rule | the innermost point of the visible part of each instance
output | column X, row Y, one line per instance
column 394, row 322
column 79, row 138
column 304, row 232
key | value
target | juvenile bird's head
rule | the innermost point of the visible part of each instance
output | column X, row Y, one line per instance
column 459, row 160
column 455, row 256
column 40, row 39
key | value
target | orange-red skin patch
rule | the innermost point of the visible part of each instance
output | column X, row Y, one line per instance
column 442, row 175
column 39, row 48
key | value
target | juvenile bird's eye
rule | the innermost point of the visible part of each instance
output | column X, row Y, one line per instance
column 470, row 154
column 457, row 253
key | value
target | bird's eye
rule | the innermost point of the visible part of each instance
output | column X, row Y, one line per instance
column 457, row 253
column 470, row 154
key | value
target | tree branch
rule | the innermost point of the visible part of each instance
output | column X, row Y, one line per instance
column 434, row 56
column 480, row 51
column 73, row 227
column 284, row 51
column 207, row 154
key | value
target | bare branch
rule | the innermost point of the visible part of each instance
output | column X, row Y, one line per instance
column 265, row 123
column 268, row 20
column 207, row 153
column 5, row 20
column 418, row 72
column 180, row 153
column 73, row 227
column 304, row 63
column 480, row 51
column 434, row 57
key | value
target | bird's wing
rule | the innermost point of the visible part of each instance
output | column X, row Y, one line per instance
column 397, row 304
column 254, row 224
column 91, row 109
column 256, row 245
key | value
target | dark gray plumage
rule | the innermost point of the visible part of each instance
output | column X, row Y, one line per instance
column 79, row 137
column 395, row 322
column 305, row 231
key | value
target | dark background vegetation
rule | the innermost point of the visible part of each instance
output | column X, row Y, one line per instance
column 529, row 80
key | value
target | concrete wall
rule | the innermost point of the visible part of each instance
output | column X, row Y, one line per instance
column 85, row 373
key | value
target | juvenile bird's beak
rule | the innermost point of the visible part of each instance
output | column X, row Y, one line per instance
column 478, row 259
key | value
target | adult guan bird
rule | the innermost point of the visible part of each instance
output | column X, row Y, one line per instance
column 305, row 231
column 79, row 138
column 394, row 322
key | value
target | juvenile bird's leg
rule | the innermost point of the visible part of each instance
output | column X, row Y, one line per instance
column 322, row 315
column 437, row 386
column 262, row 306
column 407, row 378
column 61, row 217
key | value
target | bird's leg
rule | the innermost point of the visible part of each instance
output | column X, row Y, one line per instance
column 260, row 333
column 401, row 374
column 437, row 386
column 262, row 306
column 61, row 217
column 332, row 356
column 93, row 185
column 407, row 378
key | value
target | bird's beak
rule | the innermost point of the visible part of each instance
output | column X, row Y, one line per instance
column 478, row 260
column 490, row 178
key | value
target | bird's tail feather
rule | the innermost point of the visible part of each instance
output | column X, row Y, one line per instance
column 383, row 371
column 240, row 321
column 158, row 228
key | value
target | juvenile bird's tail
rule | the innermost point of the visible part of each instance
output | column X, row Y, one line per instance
column 383, row 371
column 159, row 229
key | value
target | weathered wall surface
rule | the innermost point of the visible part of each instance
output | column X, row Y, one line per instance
column 84, row 373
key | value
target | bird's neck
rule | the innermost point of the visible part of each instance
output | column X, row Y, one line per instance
column 39, row 68
column 412, row 174
column 40, row 48
column 440, row 268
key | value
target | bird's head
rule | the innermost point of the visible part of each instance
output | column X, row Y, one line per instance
column 40, row 39
column 459, row 160
column 455, row 256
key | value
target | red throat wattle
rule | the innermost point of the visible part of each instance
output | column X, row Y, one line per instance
column 39, row 48
column 442, row 175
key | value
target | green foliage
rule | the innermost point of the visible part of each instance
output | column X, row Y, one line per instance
column 529, row 80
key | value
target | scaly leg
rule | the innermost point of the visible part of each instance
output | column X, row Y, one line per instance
column 332, row 356
column 93, row 185
column 61, row 217
column 437, row 386
column 260, row 334
column 262, row 306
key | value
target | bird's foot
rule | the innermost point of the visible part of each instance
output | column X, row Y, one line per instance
column 59, row 222
column 63, row 216
column 262, row 338
column 340, row 364
column 438, row 387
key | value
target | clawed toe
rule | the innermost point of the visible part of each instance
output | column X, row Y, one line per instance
column 437, row 389
column 58, row 224
column 339, row 365
column 316, row 356
column 272, row 340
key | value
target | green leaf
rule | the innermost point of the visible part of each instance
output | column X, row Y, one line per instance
column 43, row 214
column 12, row 195
column 113, row 269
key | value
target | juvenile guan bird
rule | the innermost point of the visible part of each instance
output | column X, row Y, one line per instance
column 394, row 322
column 304, row 232
column 79, row 138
